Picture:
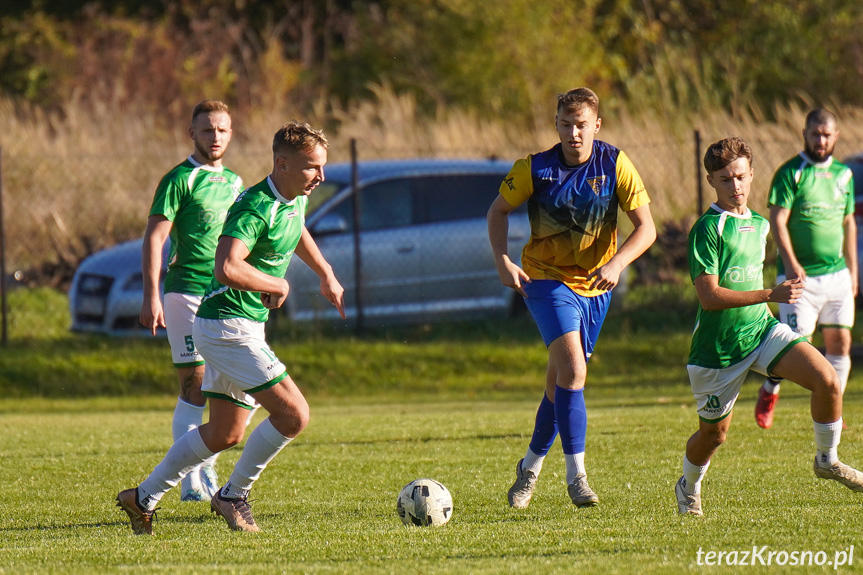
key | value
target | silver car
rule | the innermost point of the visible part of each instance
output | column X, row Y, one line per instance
column 424, row 250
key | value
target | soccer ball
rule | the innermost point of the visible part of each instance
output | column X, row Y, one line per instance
column 424, row 502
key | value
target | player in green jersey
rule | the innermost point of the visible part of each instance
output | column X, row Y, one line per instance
column 263, row 230
column 812, row 215
column 189, row 206
column 735, row 331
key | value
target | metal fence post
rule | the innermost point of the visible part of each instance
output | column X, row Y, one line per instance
column 699, row 183
column 5, row 335
column 358, row 258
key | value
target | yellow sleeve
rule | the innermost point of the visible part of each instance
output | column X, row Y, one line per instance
column 630, row 188
column 517, row 187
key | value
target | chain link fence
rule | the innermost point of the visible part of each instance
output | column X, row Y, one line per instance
column 68, row 213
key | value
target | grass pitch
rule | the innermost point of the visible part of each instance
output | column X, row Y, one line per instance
column 455, row 403
column 327, row 503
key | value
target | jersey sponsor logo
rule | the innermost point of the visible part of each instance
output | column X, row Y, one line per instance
column 275, row 258
column 813, row 209
column 738, row 274
column 509, row 184
column 745, row 229
column 596, row 184
column 212, row 216
column 825, row 175
column 292, row 214
column 218, row 179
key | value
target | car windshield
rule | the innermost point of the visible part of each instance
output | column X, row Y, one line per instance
column 323, row 192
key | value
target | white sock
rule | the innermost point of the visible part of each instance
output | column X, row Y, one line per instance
column 574, row 466
column 263, row 445
column 184, row 456
column 842, row 365
column 827, row 437
column 771, row 385
column 186, row 418
column 532, row 462
column 692, row 476
column 252, row 413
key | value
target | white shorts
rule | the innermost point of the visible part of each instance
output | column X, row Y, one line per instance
column 239, row 361
column 180, row 310
column 827, row 301
column 716, row 390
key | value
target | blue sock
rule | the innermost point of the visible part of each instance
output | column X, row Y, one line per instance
column 545, row 428
column 571, row 419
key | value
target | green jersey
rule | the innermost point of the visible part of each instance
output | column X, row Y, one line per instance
column 195, row 198
column 730, row 246
column 270, row 226
column 819, row 197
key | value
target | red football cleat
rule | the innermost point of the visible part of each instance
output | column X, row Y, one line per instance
column 764, row 408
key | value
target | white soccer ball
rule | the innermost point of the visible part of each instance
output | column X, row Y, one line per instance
column 424, row 502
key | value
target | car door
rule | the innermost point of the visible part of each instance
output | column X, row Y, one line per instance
column 459, row 274
column 389, row 254
column 390, row 248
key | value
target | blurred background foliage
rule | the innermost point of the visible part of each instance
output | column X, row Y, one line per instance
column 501, row 58
column 103, row 88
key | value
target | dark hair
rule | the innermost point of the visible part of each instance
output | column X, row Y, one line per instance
column 721, row 153
column 819, row 117
column 298, row 137
column 577, row 99
column 207, row 106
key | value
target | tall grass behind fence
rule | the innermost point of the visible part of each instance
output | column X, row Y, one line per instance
column 82, row 181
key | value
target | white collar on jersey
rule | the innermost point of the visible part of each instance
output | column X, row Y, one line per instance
column 825, row 164
column 744, row 216
column 279, row 196
column 195, row 163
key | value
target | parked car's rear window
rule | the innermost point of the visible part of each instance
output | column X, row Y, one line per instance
column 447, row 198
column 422, row 199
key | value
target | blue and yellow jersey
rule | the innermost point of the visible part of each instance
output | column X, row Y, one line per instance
column 573, row 211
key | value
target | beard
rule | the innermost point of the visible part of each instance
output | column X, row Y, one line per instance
column 211, row 156
column 818, row 156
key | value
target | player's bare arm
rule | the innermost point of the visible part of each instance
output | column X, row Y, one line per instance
column 232, row 270
column 307, row 250
column 511, row 275
column 152, row 315
column 850, row 249
column 714, row 297
column 779, row 226
column 642, row 237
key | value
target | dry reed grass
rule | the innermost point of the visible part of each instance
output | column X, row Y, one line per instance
column 83, row 181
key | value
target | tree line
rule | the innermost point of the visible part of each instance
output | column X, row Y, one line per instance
column 506, row 58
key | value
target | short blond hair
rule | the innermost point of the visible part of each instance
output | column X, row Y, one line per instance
column 209, row 106
column 576, row 99
column 298, row 137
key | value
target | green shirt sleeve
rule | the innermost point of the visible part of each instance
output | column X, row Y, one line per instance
column 703, row 250
column 168, row 197
column 782, row 188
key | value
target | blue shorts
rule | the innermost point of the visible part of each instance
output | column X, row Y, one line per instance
column 557, row 310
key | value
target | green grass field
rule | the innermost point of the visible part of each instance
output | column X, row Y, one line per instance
column 327, row 503
column 453, row 403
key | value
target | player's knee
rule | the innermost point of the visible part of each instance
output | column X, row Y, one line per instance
column 831, row 384
column 714, row 437
column 293, row 420
column 301, row 416
column 569, row 378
